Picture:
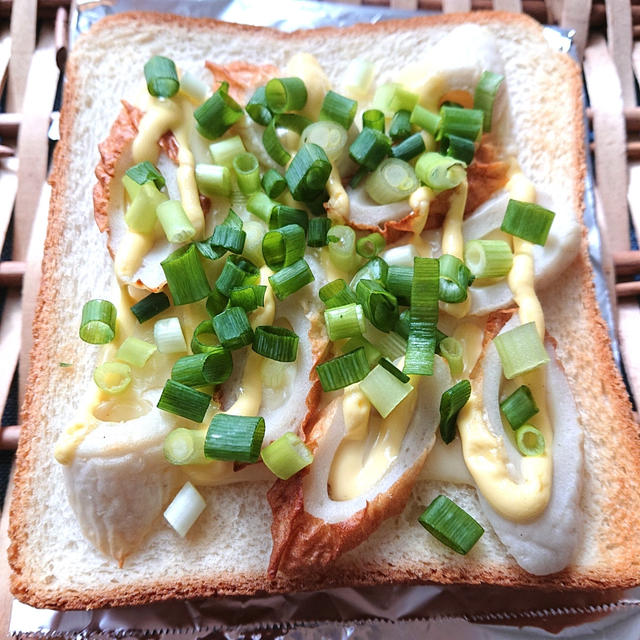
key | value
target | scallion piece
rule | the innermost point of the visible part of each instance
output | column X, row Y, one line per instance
column 272, row 143
column 375, row 269
column 391, row 345
column 130, row 186
column 140, row 215
column 374, row 119
column 439, row 172
column 402, row 328
column 217, row 114
column 257, row 107
column 276, row 343
column 135, row 351
column 212, row 367
column 341, row 241
column 150, row 306
column 261, row 205
column 459, row 148
column 358, row 77
column 253, row 242
column 370, row 148
column 520, row 350
column 184, row 401
column 98, row 324
column 213, row 180
column 379, row 306
column 317, row 233
column 248, row 297
column 392, row 181
column 450, row 524
column 529, row 440
column 455, row 279
column 308, row 172
column 399, row 283
column 224, row 151
column 237, row 272
column 329, row 135
column 400, row 127
column 229, row 238
column 393, row 97
column 451, row 350
column 282, row 215
column 161, row 76
column 145, row 172
column 291, row 278
column 205, row 328
column 421, row 343
column 285, row 456
column 233, row 328
column 372, row 354
column 216, row 303
column 234, row 438
column 485, row 95
column 370, row 246
column 338, row 109
column 247, row 170
column 282, row 247
column 285, row 94
column 273, row 183
column 488, row 258
column 425, row 119
column 393, row 370
column 168, row 336
column 409, row 148
column 112, row 377
column 466, row 123
column 344, row 370
column 528, row 221
column 336, row 293
column 519, row 407
column 185, row 276
column 344, row 322
column 384, row 390
column 185, row 446
column 192, row 87
column 177, row 226
column 185, row 509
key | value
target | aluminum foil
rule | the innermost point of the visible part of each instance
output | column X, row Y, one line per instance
column 367, row 613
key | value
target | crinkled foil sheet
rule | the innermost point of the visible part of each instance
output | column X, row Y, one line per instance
column 464, row 613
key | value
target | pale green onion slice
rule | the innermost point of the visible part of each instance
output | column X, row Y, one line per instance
column 161, row 76
column 185, row 446
column 392, row 181
column 344, row 370
column 193, row 87
column 488, row 258
column 213, row 180
column 370, row 246
column 215, row 116
column 520, row 350
column 338, row 109
column 211, row 367
column 234, row 438
column 98, row 324
column 168, row 336
column 185, row 509
column 384, row 390
column 253, row 242
column 528, row 221
column 204, row 331
column 485, row 95
column 285, row 456
column 247, row 172
column 329, row 135
column 455, row 279
column 290, row 279
column 261, row 205
column 425, row 119
column 393, row 97
column 177, row 226
column 141, row 173
column 135, row 352
column 375, row 269
column 224, row 151
column 308, row 172
column 451, row 351
column 372, row 354
column 131, row 186
column 344, row 322
column 451, row 403
column 400, row 127
column 358, row 77
column 439, row 172
column 374, row 119
column 336, row 293
column 341, row 241
column 112, row 377
column 233, row 328
column 284, row 246
column 466, row 123
column 519, row 407
column 185, row 276
column 140, row 215
column 276, row 343
column 450, row 524
column 285, row 94
column 529, row 440
column 150, row 306
column 391, row 345
column 184, row 401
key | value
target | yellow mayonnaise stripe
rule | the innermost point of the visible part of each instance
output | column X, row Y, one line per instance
column 338, row 204
column 420, row 201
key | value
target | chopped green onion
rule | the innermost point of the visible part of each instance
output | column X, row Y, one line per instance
column 140, row 215
column 371, row 353
column 185, row 276
column 276, row 343
column 184, row 401
column 331, row 136
column 520, row 350
column 358, row 77
column 308, row 172
column 338, row 109
column 135, row 351
column 393, row 97
column 193, row 87
column 237, row 272
column 282, row 247
column 161, row 76
column 98, row 324
column 375, row 269
column 285, row 94
column 205, row 328
column 344, row 322
column 451, row 350
column 455, row 278
column 379, row 306
column 393, row 370
column 217, row 114
column 425, row 119
column 391, row 345
column 233, row 328
column 450, row 524
column 247, row 170
column 370, row 148
column 248, row 297
column 317, row 234
column 273, row 183
column 112, row 377
column 253, row 243
column 357, row 177
column 344, row 370
column 229, row 238
column 439, row 172
column 285, row 456
column 150, row 306
column 282, row 215
column 529, row 440
column 224, row 151
column 168, row 336
column 261, row 205
column 145, row 172
column 185, row 509
column 409, row 148
column 404, row 320
column 257, row 107
column 519, row 407
column 235, row 438
column 399, row 283
column 400, row 127
column 458, row 148
column 291, row 278
column 216, row 303
column 466, row 123
column 211, row 367
column 341, row 241
column 488, row 258
column 392, row 181
column 185, row 446
column 213, row 180
column 485, row 95
column 131, row 186
column 336, row 293
column 384, row 390
column 528, row 221
column 272, row 144
column 177, row 226
column 421, row 343
column 374, row 119
column 370, row 246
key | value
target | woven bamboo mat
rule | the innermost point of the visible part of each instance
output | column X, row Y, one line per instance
column 33, row 44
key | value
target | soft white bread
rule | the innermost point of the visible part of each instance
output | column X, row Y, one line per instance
column 227, row 551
